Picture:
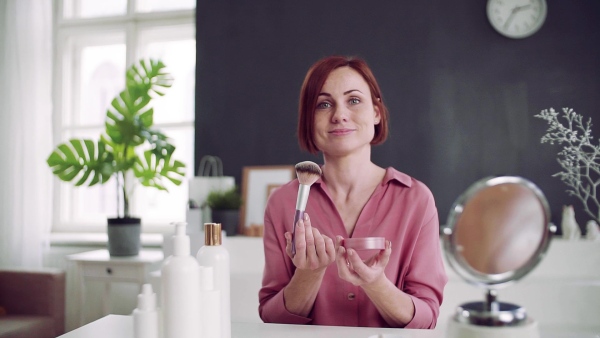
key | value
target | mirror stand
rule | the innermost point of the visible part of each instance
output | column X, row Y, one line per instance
column 491, row 304
column 491, row 319
column 491, row 312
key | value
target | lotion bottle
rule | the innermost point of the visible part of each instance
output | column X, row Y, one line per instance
column 210, row 302
column 145, row 316
column 214, row 255
column 180, row 290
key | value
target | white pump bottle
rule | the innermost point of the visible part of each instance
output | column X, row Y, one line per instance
column 145, row 316
column 180, row 285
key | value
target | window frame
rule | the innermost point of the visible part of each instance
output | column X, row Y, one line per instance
column 65, row 83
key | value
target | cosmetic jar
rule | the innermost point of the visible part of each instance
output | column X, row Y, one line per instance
column 366, row 243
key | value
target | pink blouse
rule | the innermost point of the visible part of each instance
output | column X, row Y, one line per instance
column 402, row 210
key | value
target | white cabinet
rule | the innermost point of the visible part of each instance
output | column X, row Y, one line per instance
column 99, row 266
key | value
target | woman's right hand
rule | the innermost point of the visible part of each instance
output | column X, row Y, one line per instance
column 314, row 251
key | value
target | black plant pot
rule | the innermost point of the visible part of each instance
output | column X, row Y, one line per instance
column 124, row 236
column 229, row 220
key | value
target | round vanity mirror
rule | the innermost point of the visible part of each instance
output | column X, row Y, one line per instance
column 498, row 230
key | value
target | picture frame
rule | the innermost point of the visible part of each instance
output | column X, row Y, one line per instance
column 258, row 182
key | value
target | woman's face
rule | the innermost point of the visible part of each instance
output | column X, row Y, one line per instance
column 345, row 116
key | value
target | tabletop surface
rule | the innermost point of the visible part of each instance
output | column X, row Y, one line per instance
column 118, row 326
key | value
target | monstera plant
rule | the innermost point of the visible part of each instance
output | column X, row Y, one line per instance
column 128, row 149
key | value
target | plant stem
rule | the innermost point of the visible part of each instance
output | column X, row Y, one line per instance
column 122, row 185
column 118, row 196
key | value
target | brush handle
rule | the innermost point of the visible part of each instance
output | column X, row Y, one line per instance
column 299, row 214
column 303, row 191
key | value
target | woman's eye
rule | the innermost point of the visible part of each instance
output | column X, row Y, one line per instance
column 323, row 105
column 354, row 100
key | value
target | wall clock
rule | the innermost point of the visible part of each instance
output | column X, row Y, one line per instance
column 516, row 19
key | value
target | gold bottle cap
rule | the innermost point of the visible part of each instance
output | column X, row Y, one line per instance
column 212, row 234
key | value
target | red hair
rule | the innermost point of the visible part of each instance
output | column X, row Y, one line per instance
column 313, row 83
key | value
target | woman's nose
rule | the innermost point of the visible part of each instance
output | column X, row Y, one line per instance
column 340, row 114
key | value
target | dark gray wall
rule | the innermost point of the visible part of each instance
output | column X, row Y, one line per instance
column 461, row 96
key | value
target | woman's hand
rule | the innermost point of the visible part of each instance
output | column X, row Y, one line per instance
column 314, row 251
column 352, row 269
column 395, row 306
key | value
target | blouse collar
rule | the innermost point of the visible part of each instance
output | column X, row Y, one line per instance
column 391, row 174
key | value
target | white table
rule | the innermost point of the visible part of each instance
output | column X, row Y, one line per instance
column 99, row 266
column 117, row 326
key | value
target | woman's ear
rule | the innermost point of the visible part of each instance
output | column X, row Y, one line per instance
column 377, row 114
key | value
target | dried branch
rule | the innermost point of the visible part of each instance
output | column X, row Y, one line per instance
column 579, row 158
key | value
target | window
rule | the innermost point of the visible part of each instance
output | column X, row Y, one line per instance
column 95, row 41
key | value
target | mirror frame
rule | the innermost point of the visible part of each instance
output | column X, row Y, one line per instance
column 459, row 264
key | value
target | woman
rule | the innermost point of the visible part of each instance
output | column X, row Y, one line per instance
column 341, row 115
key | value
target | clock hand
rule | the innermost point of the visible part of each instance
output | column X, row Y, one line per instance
column 520, row 8
column 510, row 17
column 513, row 12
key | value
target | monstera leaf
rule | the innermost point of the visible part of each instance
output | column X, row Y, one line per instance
column 81, row 159
column 129, row 113
column 148, row 77
column 158, row 141
column 152, row 167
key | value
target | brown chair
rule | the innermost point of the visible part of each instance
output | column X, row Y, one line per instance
column 32, row 303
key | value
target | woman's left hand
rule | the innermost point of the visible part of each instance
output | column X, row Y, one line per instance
column 351, row 267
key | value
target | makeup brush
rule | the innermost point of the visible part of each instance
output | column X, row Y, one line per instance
column 308, row 173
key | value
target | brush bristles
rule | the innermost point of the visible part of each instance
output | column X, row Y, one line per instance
column 308, row 172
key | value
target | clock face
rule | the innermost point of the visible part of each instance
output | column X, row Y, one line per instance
column 516, row 18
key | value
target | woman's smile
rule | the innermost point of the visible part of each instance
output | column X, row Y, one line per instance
column 341, row 131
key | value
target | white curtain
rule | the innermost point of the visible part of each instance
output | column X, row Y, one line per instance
column 25, row 130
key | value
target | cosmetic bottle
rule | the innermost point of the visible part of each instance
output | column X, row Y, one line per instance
column 210, row 302
column 214, row 255
column 145, row 316
column 180, row 290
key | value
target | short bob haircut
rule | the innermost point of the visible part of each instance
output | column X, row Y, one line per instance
column 313, row 83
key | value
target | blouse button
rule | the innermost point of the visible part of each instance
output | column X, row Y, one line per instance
column 351, row 296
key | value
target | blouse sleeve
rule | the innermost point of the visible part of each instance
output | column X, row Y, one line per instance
column 426, row 276
column 278, row 270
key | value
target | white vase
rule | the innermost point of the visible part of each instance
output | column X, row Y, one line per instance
column 569, row 226
column 592, row 231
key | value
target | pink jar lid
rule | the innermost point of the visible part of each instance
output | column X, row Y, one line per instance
column 366, row 243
